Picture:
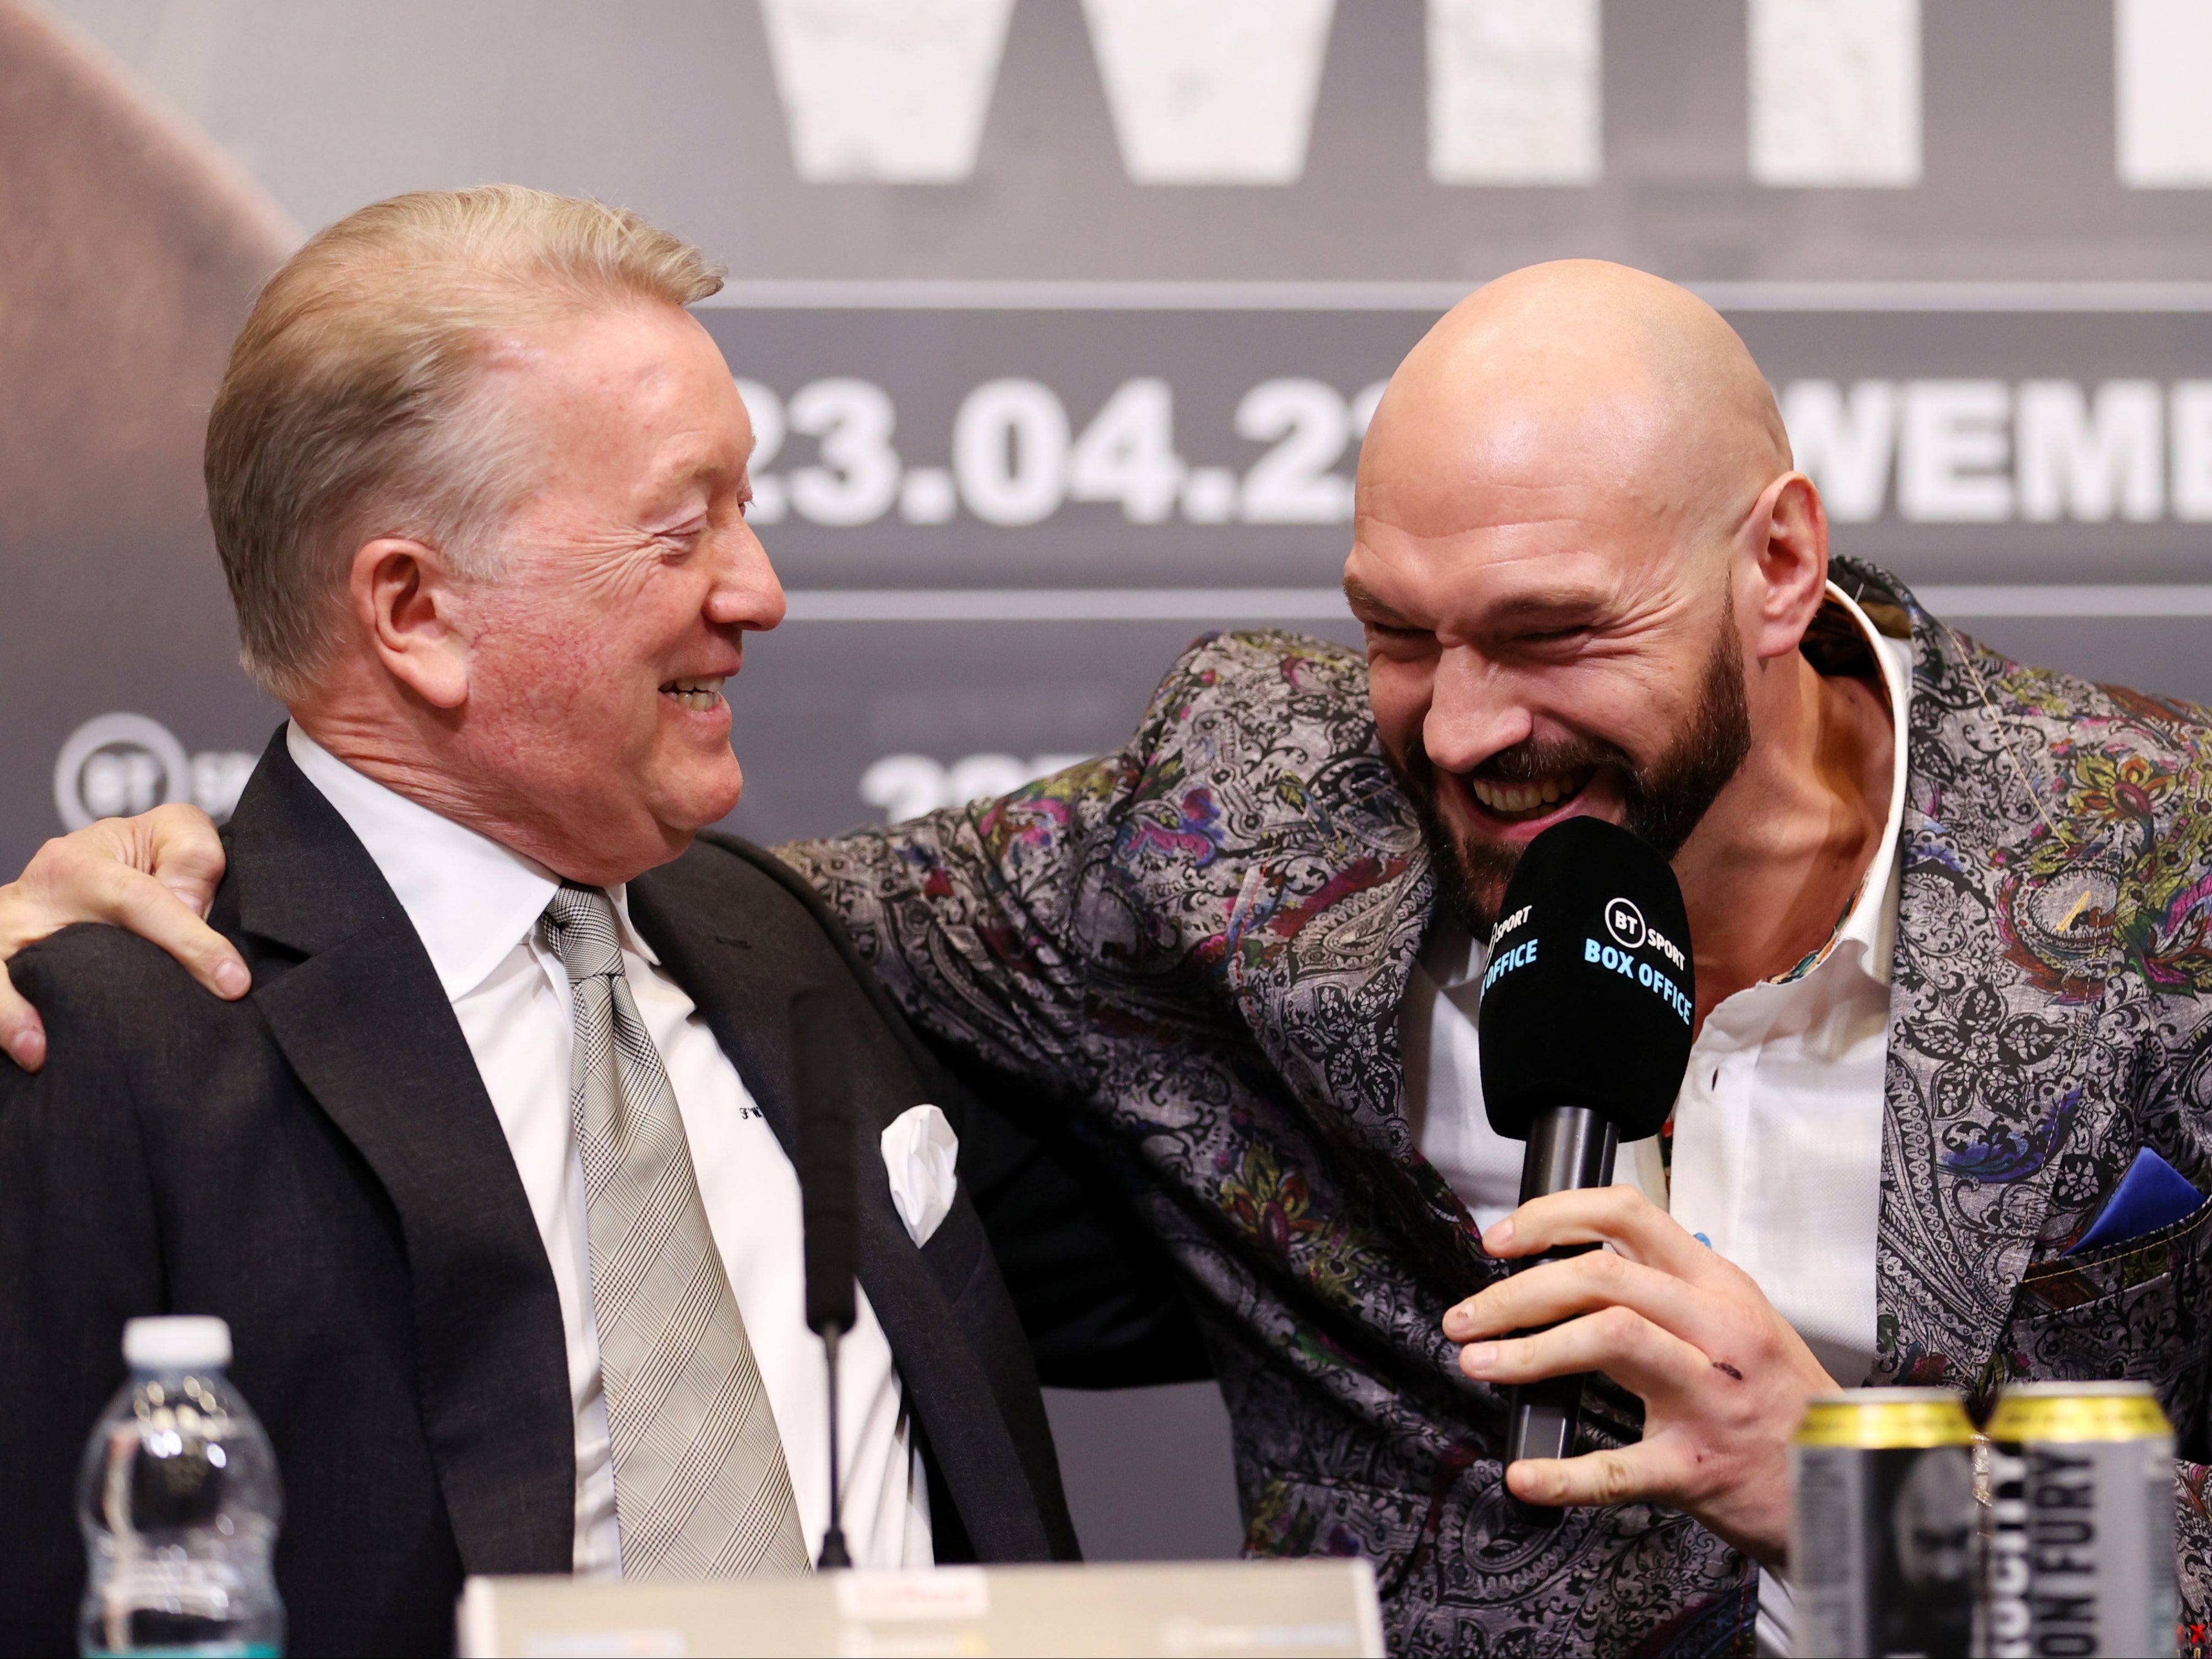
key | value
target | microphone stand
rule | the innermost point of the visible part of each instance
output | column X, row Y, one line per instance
column 1569, row 1147
column 833, row 1539
column 830, row 1201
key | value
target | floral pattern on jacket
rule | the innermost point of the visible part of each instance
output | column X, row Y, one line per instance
column 1202, row 941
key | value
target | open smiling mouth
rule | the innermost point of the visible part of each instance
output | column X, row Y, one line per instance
column 1517, row 803
column 700, row 694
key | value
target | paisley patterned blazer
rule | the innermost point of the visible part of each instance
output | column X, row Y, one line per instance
column 1197, row 947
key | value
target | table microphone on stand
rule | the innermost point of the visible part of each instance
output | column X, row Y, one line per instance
column 821, row 1038
column 1586, row 1013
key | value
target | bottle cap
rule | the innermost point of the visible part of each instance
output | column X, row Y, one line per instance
column 176, row 1343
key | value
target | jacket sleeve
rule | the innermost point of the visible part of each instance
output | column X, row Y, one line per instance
column 1011, row 934
column 79, row 1254
column 1001, row 927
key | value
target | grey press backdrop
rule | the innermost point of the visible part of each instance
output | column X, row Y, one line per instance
column 1060, row 323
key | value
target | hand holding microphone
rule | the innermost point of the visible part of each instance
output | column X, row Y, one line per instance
column 1586, row 1027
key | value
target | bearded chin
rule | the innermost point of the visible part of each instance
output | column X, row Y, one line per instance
column 1665, row 801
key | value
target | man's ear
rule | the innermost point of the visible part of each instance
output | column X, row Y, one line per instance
column 404, row 592
column 1788, row 535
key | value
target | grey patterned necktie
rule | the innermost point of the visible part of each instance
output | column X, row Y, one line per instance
column 701, row 1490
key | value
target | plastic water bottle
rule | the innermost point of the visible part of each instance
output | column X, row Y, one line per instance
column 179, row 1504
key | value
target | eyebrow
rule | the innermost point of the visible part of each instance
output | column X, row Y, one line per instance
column 1362, row 598
column 1550, row 603
column 694, row 467
column 1516, row 609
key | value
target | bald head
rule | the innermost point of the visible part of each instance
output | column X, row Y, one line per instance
column 1580, row 375
column 1579, row 548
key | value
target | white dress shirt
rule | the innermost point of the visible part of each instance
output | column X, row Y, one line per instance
column 475, row 905
column 1777, row 1129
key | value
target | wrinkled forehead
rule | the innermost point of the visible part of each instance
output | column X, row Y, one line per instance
column 634, row 397
column 1490, row 587
column 634, row 361
column 1527, row 536
column 1596, row 486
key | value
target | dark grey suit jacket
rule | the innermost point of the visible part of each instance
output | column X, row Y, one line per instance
column 318, row 1164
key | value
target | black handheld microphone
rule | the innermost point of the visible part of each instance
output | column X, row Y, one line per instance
column 1588, row 1006
column 829, row 1199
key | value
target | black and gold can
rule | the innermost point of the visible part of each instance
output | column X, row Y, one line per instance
column 2080, row 1557
column 1882, row 1552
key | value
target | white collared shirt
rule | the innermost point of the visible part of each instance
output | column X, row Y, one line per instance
column 1777, row 1129
column 475, row 905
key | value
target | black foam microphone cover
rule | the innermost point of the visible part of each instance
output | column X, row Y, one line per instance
column 1588, row 998
column 821, row 1044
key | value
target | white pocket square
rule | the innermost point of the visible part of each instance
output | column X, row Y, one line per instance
column 919, row 1153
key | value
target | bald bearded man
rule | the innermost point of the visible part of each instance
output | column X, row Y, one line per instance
column 1946, row 912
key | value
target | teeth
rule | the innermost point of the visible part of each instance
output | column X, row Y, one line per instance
column 1511, row 799
column 701, row 695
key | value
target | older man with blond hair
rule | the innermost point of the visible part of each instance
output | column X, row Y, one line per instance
column 490, row 1173
column 1945, row 1120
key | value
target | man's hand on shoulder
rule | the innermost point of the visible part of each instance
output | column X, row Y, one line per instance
column 155, row 874
column 1723, row 1376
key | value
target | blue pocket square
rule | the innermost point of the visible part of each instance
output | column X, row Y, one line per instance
column 2152, row 1195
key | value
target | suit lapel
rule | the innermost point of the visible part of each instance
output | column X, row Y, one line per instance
column 366, row 1026
column 740, row 972
column 1991, row 1037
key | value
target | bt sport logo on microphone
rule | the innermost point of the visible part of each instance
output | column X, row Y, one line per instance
column 1626, row 924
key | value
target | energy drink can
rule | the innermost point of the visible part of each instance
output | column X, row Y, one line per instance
column 2081, row 1526
column 1882, row 1552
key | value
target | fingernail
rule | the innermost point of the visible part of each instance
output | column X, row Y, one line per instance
column 231, row 979
column 28, row 1049
column 1478, row 1357
column 1498, row 1237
